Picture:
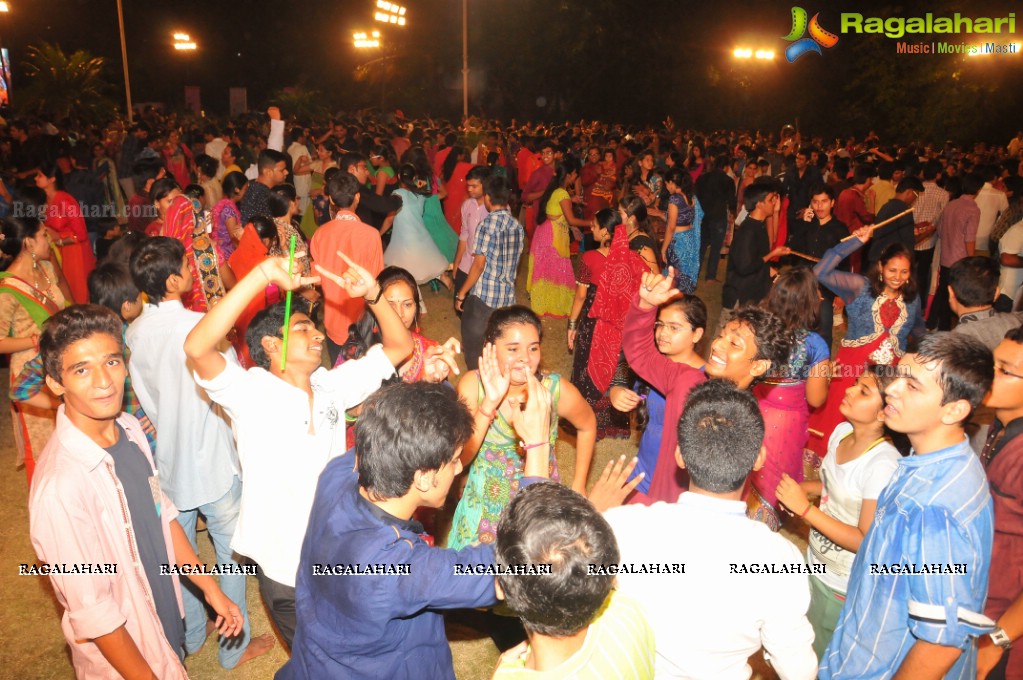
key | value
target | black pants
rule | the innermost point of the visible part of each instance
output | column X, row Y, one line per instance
column 712, row 237
column 940, row 317
column 460, row 278
column 475, row 315
column 922, row 260
column 280, row 602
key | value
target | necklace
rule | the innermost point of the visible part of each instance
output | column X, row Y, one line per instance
column 48, row 289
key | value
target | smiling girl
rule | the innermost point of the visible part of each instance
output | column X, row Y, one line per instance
column 510, row 356
column 883, row 312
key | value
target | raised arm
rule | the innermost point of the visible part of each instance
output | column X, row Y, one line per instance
column 638, row 339
column 201, row 344
column 846, row 285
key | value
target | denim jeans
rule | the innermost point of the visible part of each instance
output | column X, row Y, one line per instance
column 221, row 516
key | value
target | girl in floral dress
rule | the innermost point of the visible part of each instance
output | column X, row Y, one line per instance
column 511, row 354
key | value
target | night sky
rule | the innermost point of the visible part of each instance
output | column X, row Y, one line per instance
column 637, row 61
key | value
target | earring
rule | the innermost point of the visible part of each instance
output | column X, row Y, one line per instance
column 34, row 262
column 880, row 277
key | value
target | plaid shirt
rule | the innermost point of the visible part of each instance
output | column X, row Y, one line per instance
column 499, row 238
column 927, row 208
column 32, row 377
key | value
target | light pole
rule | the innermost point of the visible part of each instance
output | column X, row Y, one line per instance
column 465, row 59
column 124, row 62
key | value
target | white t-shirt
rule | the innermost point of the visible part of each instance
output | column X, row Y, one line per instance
column 1011, row 278
column 282, row 453
column 845, row 488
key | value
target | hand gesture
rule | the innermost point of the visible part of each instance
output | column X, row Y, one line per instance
column 275, row 269
column 459, row 301
column 532, row 423
column 657, row 289
column 624, row 399
column 495, row 378
column 864, row 233
column 229, row 617
column 356, row 281
column 780, row 251
column 439, row 361
column 274, row 113
column 614, row 486
column 807, row 215
column 792, row 496
column 571, row 339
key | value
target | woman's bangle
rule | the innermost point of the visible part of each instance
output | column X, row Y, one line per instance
column 572, row 324
column 527, row 447
column 491, row 416
column 805, row 512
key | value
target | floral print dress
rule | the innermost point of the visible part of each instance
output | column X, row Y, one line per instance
column 495, row 475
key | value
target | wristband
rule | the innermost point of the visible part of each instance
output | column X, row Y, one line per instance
column 572, row 324
column 526, row 447
column 488, row 415
column 380, row 293
column 805, row 512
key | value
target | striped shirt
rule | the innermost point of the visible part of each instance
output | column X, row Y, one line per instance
column 618, row 644
column 499, row 238
column 935, row 515
column 927, row 208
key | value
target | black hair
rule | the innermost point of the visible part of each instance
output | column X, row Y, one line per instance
column 207, row 165
column 280, row 199
column 267, row 322
column 365, row 332
column 634, row 206
column 965, row 366
column 121, row 250
column 144, row 170
column 974, row 280
column 932, row 169
column 478, row 173
column 111, row 285
column 562, row 170
column 1015, row 334
column 233, row 182
column 909, row 183
column 70, row 325
column 194, row 191
column 50, row 169
column 269, row 158
column 265, row 228
column 822, row 188
column 774, row 340
column 607, row 219
column 512, row 315
column 885, row 170
column 405, row 428
column 155, row 261
column 451, row 161
column 758, row 190
column 498, row 189
column 681, row 178
column 549, row 524
column 972, row 184
column 719, row 435
column 236, row 151
column 352, row 159
column 162, row 187
column 794, row 297
column 889, row 253
column 863, row 172
column 15, row 230
column 342, row 188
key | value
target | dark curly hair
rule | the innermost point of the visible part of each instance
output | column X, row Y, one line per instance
column 774, row 340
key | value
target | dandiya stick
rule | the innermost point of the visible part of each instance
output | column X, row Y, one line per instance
column 805, row 256
column 287, row 306
column 816, row 433
column 881, row 224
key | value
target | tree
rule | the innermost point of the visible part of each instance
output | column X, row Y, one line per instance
column 62, row 86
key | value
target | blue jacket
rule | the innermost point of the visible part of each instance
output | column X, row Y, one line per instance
column 375, row 626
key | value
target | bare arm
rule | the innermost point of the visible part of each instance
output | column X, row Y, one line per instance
column 577, row 308
column 927, row 661
column 229, row 618
column 669, row 229
column 566, row 210
column 573, row 408
column 121, row 652
column 479, row 263
column 817, row 384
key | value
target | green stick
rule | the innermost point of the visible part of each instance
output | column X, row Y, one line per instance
column 287, row 306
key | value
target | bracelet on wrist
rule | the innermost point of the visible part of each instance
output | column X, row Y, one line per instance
column 527, row 447
column 573, row 324
column 380, row 293
column 805, row 512
column 490, row 415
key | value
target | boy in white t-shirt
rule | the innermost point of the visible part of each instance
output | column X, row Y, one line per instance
column 859, row 462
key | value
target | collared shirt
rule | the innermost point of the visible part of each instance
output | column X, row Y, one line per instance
column 77, row 515
column 851, row 209
column 988, row 326
column 283, row 453
column 361, row 243
column 473, row 212
column 711, row 619
column 499, row 238
column 927, row 208
column 372, row 626
column 935, row 511
column 957, row 225
column 197, row 459
column 992, row 203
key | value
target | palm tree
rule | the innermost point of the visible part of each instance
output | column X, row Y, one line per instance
column 62, row 86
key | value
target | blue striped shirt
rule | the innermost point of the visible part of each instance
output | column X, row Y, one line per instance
column 499, row 238
column 935, row 515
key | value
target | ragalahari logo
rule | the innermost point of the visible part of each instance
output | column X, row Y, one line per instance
column 818, row 36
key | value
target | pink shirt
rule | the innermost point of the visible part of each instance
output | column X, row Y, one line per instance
column 78, row 515
column 473, row 213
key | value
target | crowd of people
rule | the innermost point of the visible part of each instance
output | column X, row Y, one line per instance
column 221, row 323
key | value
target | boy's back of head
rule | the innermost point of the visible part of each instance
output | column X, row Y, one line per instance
column 404, row 429
column 497, row 189
column 974, row 280
column 153, row 263
column 720, row 435
column 111, row 286
column 549, row 524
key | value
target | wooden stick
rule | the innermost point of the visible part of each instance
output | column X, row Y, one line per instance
column 805, row 256
column 816, row 433
column 880, row 224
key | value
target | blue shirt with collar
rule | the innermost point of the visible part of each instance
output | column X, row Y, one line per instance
column 935, row 514
column 376, row 626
